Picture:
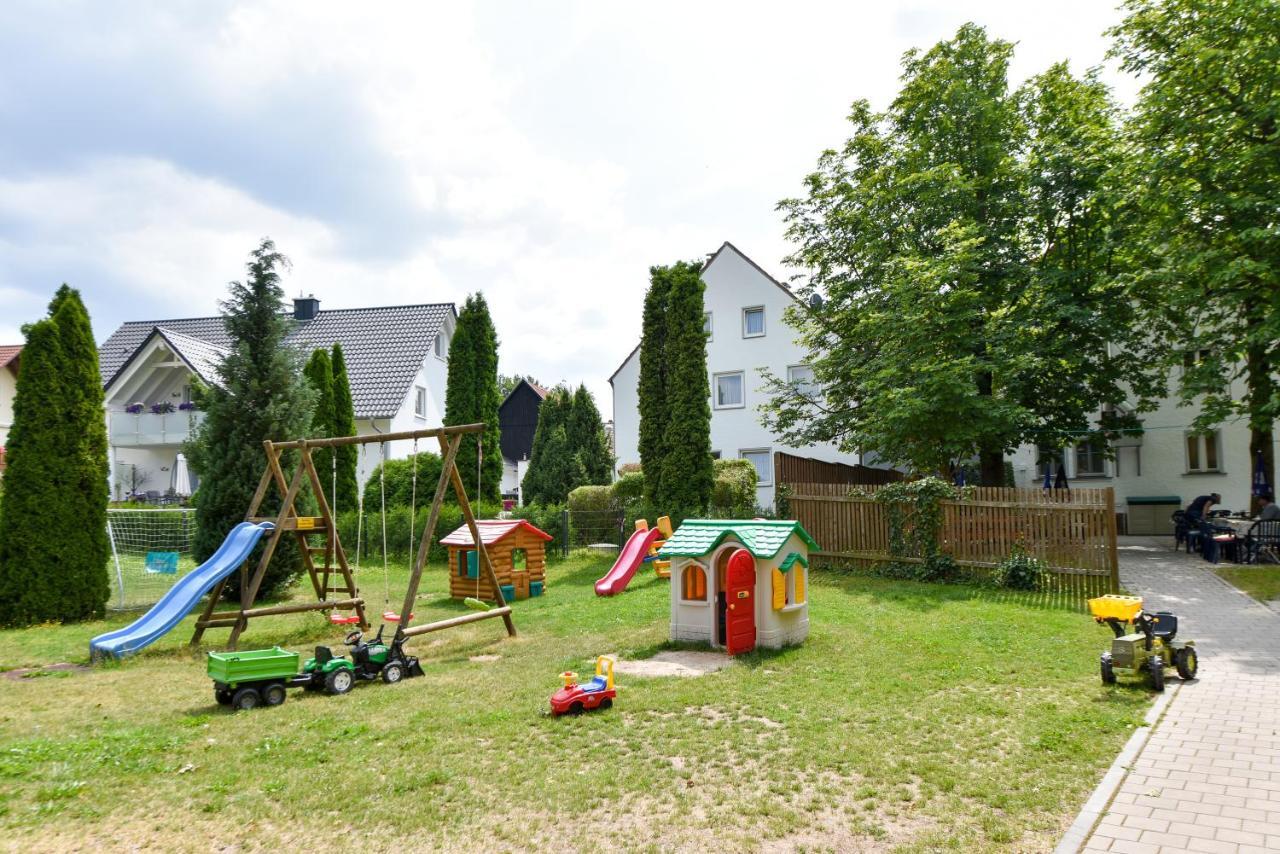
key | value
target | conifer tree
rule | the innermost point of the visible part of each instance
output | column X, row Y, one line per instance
column 261, row 394
column 686, row 474
column 57, row 476
column 652, row 388
column 344, row 424
column 319, row 372
column 554, row 470
column 472, row 397
column 587, row 440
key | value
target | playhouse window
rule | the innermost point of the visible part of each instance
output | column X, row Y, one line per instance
column 468, row 563
column 694, row 583
column 789, row 582
column 519, row 560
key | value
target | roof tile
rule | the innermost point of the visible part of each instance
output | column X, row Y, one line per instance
column 764, row 538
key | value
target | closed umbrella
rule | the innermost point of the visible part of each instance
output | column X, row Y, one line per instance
column 1060, row 482
column 1048, row 475
column 181, row 479
column 1260, row 485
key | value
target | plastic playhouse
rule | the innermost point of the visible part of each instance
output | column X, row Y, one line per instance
column 517, row 551
column 577, row 697
column 739, row 583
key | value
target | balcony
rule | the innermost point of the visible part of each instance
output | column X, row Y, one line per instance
column 147, row 428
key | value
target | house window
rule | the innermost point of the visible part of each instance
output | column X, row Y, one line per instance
column 706, row 324
column 729, row 390
column 420, row 401
column 519, row 560
column 1090, row 460
column 1202, row 451
column 801, row 378
column 693, row 583
column 1191, row 358
column 437, row 345
column 753, row 322
column 762, row 459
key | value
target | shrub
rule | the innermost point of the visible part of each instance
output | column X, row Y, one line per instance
column 1020, row 571
column 548, row 518
column 399, row 475
column 629, row 468
column 591, row 499
column 629, row 488
column 733, row 491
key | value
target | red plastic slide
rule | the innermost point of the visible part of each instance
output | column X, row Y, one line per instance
column 633, row 554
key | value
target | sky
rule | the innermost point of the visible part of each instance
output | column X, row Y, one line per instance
column 546, row 154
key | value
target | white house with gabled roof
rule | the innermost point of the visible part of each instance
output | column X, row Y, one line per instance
column 396, row 360
column 746, row 334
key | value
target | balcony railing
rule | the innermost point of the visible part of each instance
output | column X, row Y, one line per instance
column 147, row 428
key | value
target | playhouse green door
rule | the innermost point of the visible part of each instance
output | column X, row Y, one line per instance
column 740, row 606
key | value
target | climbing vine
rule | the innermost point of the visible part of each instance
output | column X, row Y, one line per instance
column 914, row 513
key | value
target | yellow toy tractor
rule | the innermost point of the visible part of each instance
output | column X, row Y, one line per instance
column 1149, row 649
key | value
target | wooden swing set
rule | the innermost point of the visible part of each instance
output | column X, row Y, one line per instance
column 334, row 576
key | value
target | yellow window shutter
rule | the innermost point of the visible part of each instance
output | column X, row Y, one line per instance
column 800, row 573
column 779, row 589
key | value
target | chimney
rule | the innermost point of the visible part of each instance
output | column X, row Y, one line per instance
column 306, row 308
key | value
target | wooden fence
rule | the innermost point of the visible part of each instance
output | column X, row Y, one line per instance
column 1073, row 531
column 792, row 470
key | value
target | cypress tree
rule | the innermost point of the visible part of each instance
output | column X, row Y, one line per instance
column 587, row 440
column 319, row 372
column 652, row 388
column 344, row 424
column 687, row 472
column 261, row 395
column 554, row 469
column 471, row 395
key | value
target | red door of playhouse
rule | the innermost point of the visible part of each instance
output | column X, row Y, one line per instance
column 740, row 607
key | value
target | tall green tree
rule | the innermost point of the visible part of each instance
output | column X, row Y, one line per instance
column 319, row 373
column 652, row 387
column 57, row 476
column 960, row 243
column 587, row 439
column 554, row 469
column 686, row 473
column 260, row 394
column 344, row 424
column 472, row 396
column 1206, row 131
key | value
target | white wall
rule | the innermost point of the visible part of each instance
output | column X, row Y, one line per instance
column 8, row 388
column 1158, row 465
column 733, row 284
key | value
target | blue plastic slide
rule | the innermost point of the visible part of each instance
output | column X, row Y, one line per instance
column 183, row 596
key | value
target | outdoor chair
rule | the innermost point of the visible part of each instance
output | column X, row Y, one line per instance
column 1218, row 539
column 1180, row 528
column 1262, row 542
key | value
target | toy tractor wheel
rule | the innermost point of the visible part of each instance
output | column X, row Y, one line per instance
column 245, row 699
column 1155, row 673
column 274, row 694
column 339, row 681
column 223, row 696
column 1108, row 672
column 392, row 672
column 1187, row 663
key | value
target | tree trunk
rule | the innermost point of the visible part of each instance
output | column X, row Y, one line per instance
column 1261, row 433
column 992, row 467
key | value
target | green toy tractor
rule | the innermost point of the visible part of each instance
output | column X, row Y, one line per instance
column 1149, row 649
column 372, row 660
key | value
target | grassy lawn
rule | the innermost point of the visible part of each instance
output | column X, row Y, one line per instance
column 915, row 718
column 1260, row 582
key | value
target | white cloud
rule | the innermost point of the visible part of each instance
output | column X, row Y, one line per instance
column 546, row 154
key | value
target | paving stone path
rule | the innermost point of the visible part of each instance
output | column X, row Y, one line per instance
column 1208, row 778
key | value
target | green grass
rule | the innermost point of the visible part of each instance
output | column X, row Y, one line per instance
column 1260, row 582
column 916, row 717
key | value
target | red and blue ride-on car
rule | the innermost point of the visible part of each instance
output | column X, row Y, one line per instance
column 575, row 698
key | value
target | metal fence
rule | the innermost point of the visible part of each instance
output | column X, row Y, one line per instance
column 592, row 528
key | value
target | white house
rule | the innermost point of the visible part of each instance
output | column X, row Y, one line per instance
column 9, row 357
column 396, row 365
column 746, row 333
column 1163, row 469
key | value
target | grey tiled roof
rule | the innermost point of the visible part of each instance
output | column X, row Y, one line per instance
column 202, row 356
column 384, row 346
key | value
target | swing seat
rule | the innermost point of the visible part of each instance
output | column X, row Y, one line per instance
column 343, row 620
column 393, row 617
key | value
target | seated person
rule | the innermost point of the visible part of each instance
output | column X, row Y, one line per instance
column 1197, row 510
column 1268, row 511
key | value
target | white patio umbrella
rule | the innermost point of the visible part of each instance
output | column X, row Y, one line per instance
column 181, row 477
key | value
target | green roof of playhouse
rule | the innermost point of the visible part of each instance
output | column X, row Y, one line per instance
column 762, row 537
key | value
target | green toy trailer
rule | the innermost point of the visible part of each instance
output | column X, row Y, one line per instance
column 1149, row 649
column 244, row 680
